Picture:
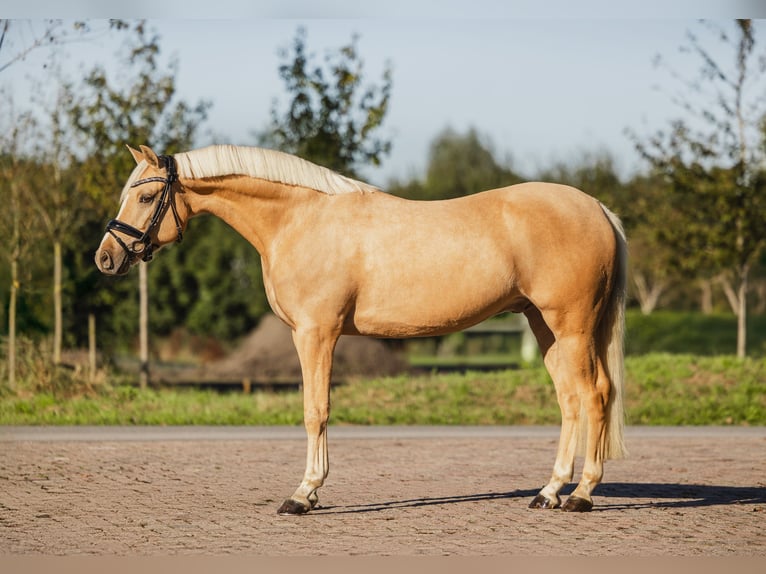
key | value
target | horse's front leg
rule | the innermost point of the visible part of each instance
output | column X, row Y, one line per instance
column 315, row 349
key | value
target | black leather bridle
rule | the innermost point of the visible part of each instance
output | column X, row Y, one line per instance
column 142, row 246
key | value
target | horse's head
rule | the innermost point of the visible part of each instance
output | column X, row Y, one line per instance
column 142, row 226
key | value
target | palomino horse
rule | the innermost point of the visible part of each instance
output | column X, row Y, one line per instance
column 342, row 257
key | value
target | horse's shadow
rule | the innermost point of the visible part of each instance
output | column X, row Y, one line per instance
column 648, row 495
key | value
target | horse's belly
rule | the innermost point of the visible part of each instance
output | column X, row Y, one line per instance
column 432, row 299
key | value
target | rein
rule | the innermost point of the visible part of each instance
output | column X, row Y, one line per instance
column 142, row 246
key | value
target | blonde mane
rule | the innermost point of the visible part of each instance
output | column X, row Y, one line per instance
column 223, row 160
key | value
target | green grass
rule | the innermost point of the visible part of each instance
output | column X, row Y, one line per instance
column 692, row 390
column 127, row 405
column 662, row 389
column 497, row 360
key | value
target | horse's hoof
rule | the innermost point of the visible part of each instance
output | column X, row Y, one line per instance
column 577, row 504
column 292, row 507
column 541, row 501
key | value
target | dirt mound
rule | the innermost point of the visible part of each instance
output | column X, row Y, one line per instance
column 268, row 354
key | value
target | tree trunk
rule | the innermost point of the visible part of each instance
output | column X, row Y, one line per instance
column 57, row 313
column 760, row 291
column 15, row 254
column 732, row 296
column 742, row 314
column 738, row 302
column 143, row 324
column 648, row 295
column 706, row 298
column 91, row 347
column 12, row 325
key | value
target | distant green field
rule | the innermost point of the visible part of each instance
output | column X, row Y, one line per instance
column 662, row 389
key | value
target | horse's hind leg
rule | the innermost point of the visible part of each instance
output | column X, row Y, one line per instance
column 315, row 349
column 563, row 468
column 573, row 366
column 594, row 397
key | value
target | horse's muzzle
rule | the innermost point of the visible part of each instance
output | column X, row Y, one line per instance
column 104, row 261
column 107, row 264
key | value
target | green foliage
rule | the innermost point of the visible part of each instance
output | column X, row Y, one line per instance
column 595, row 175
column 719, row 223
column 646, row 213
column 331, row 118
column 458, row 165
column 662, row 389
column 713, row 159
column 37, row 375
column 104, row 114
column 690, row 332
column 715, row 171
column 138, row 107
column 698, row 210
column 212, row 283
column 18, row 225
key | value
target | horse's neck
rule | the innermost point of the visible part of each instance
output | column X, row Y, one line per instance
column 256, row 208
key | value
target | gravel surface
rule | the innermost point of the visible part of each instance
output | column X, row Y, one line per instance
column 153, row 491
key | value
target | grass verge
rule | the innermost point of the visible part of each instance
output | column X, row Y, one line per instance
column 662, row 389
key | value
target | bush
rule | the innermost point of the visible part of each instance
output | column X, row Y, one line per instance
column 692, row 333
column 36, row 373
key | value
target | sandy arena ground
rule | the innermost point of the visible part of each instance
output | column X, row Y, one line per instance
column 429, row 491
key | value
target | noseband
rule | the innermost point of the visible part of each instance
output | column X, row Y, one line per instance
column 142, row 246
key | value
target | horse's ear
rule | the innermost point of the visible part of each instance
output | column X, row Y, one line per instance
column 137, row 155
column 150, row 156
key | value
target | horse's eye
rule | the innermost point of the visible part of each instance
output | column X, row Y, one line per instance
column 146, row 198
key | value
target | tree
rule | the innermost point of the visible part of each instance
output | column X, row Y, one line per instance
column 646, row 213
column 713, row 160
column 57, row 206
column 106, row 116
column 212, row 285
column 52, row 196
column 596, row 175
column 331, row 118
column 16, row 222
column 34, row 36
column 458, row 164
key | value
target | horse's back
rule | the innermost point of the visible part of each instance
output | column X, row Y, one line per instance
column 425, row 267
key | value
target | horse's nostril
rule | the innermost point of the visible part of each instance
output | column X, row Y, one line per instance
column 105, row 260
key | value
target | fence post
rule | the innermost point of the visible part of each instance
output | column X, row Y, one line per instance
column 91, row 347
column 528, row 343
column 143, row 324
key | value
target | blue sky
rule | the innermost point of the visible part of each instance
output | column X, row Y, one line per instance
column 542, row 90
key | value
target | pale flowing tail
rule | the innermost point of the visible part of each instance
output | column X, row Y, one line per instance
column 610, row 334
